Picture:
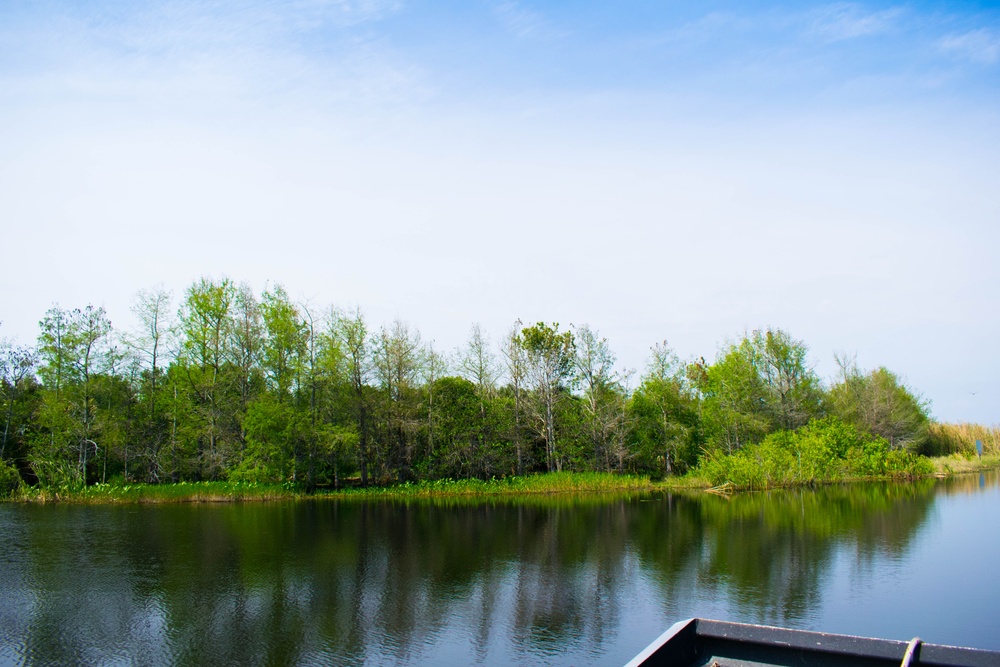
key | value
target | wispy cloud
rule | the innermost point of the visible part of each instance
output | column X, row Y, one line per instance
column 523, row 21
column 708, row 27
column 191, row 58
column 980, row 46
column 845, row 21
column 316, row 13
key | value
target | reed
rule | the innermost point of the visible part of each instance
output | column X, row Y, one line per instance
column 547, row 483
column 944, row 439
column 567, row 483
column 182, row 492
column 962, row 462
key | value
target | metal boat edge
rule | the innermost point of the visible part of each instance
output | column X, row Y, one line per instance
column 699, row 642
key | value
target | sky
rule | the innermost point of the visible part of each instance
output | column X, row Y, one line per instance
column 670, row 171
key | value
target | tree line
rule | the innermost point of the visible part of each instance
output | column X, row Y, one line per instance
column 228, row 384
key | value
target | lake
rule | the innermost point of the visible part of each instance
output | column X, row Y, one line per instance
column 547, row 580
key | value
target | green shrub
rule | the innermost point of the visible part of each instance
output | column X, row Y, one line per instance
column 825, row 450
column 10, row 479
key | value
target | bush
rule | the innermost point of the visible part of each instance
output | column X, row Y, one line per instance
column 825, row 450
column 10, row 479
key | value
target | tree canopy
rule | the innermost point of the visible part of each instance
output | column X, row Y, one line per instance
column 263, row 388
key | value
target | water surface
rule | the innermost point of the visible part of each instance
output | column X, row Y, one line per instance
column 552, row 580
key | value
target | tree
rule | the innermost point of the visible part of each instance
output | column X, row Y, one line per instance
column 516, row 364
column 149, row 343
column 17, row 364
column 245, row 345
column 116, row 395
column 879, row 403
column 434, row 369
column 352, row 335
column 757, row 386
column 275, row 430
column 477, row 365
column 666, row 411
column 317, row 377
column 205, row 323
column 456, row 408
column 70, row 345
column 397, row 360
column 550, row 365
column 603, row 396
column 151, row 308
column 734, row 407
column 285, row 343
column 793, row 388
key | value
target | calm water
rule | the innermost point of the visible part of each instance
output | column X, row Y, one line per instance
column 553, row 581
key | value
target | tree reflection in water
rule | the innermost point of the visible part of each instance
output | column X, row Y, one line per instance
column 542, row 580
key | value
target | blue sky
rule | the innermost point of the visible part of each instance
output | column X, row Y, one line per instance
column 679, row 171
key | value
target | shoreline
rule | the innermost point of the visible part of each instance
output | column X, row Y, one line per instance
column 527, row 486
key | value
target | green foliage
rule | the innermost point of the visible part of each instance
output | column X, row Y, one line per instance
column 286, row 340
column 10, row 479
column 757, row 386
column 825, row 450
column 276, row 437
column 880, row 404
column 182, row 492
column 555, row 350
column 550, row 356
column 267, row 391
column 561, row 482
column 665, row 424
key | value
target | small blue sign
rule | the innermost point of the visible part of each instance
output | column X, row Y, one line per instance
column 979, row 448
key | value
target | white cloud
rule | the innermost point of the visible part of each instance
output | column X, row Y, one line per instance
column 160, row 149
column 979, row 46
column 845, row 21
column 708, row 27
column 343, row 12
column 522, row 21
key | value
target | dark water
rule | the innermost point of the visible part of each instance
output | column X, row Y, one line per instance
column 553, row 581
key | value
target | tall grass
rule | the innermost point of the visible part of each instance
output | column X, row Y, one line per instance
column 208, row 492
column 548, row 483
column 182, row 492
column 945, row 439
column 963, row 462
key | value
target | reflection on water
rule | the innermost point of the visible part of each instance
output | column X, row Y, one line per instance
column 549, row 580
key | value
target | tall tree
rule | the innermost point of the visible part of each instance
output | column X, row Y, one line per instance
column 149, row 343
column 151, row 307
column 793, row 388
column 602, row 393
column 735, row 398
column 550, row 365
column 245, row 345
column 515, row 362
column 17, row 364
column 433, row 370
column 757, row 386
column 313, row 381
column 398, row 357
column 666, row 411
column 70, row 344
column 478, row 365
column 285, row 344
column 879, row 403
column 205, row 323
column 352, row 334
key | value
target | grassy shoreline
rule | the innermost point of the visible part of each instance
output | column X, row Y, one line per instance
column 548, row 483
